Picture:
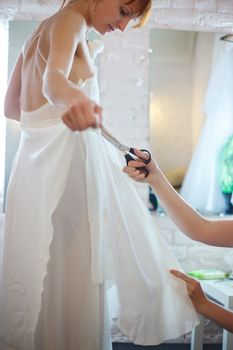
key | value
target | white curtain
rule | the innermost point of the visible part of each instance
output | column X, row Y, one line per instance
column 3, row 84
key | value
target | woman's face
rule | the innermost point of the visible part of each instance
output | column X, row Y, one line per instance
column 109, row 15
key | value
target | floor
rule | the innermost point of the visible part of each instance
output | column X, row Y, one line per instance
column 124, row 346
column 127, row 346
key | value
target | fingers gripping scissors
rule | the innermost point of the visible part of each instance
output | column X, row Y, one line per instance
column 128, row 151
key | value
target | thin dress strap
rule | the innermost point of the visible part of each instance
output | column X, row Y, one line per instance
column 39, row 51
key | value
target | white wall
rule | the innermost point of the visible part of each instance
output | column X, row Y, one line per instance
column 3, row 84
column 180, row 67
column 202, row 67
column 18, row 32
column 171, row 88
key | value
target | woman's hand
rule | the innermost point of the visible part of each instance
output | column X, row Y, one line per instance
column 208, row 308
column 132, row 168
column 197, row 296
column 82, row 115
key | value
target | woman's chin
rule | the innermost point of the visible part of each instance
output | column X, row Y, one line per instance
column 103, row 31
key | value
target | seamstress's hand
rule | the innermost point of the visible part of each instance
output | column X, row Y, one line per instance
column 198, row 297
column 83, row 114
column 136, row 174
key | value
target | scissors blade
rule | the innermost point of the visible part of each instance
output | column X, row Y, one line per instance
column 110, row 138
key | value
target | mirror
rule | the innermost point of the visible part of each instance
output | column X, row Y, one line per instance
column 184, row 78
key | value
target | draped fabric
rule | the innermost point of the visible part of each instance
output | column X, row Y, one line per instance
column 201, row 186
column 75, row 226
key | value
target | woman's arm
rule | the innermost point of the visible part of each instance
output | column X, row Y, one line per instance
column 223, row 317
column 189, row 221
column 12, row 97
column 66, row 32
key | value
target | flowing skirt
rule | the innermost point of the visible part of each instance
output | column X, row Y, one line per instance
column 75, row 226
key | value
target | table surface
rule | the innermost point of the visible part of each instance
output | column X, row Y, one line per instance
column 221, row 290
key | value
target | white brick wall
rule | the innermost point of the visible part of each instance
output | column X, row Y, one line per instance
column 203, row 15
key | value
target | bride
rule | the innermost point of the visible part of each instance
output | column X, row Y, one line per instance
column 75, row 225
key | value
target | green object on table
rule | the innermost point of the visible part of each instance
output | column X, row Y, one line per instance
column 208, row 274
column 226, row 166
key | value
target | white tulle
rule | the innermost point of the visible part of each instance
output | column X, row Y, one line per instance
column 201, row 184
column 75, row 226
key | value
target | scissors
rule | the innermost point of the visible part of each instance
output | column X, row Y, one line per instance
column 128, row 151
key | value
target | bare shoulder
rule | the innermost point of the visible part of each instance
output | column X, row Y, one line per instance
column 68, row 20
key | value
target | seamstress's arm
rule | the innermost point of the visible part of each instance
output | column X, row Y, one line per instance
column 204, row 306
column 189, row 221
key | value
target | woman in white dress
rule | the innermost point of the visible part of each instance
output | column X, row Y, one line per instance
column 74, row 223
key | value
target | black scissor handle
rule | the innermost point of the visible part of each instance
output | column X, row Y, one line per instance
column 143, row 169
column 146, row 161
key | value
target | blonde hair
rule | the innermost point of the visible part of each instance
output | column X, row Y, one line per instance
column 65, row 3
column 143, row 14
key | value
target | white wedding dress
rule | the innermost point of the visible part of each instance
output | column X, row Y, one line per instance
column 75, row 226
column 201, row 186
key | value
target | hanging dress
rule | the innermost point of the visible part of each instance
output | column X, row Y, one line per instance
column 75, row 226
column 201, row 186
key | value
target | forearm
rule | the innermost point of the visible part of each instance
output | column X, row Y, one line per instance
column 188, row 219
column 60, row 91
column 223, row 317
column 184, row 216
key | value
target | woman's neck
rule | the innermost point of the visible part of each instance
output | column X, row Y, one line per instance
column 81, row 6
